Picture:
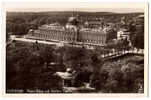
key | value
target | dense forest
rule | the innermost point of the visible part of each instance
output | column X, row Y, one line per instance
column 29, row 67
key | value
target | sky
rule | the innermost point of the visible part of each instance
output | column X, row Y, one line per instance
column 89, row 7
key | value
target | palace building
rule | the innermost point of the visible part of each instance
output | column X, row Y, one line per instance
column 70, row 33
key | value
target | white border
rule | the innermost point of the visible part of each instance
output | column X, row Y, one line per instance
column 89, row 95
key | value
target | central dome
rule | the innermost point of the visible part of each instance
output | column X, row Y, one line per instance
column 72, row 20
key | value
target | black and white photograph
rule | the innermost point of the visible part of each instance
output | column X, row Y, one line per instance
column 70, row 48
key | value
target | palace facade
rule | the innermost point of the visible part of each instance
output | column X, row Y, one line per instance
column 70, row 33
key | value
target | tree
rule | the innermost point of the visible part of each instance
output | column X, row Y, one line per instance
column 137, row 33
column 25, row 68
column 75, row 57
column 138, row 40
column 17, row 67
column 60, row 54
column 97, row 62
column 97, row 75
column 114, row 76
column 124, row 44
column 123, row 76
column 47, row 55
column 111, row 34
column 132, row 73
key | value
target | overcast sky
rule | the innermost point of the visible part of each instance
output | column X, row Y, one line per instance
column 92, row 7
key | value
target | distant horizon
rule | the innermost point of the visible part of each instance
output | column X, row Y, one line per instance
column 34, row 10
column 70, row 11
column 83, row 7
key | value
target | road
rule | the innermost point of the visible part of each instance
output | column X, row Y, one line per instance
column 58, row 43
column 39, row 41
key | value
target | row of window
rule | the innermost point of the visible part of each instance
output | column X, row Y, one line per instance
column 98, row 37
column 57, row 33
column 57, row 30
column 46, row 36
column 84, row 37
